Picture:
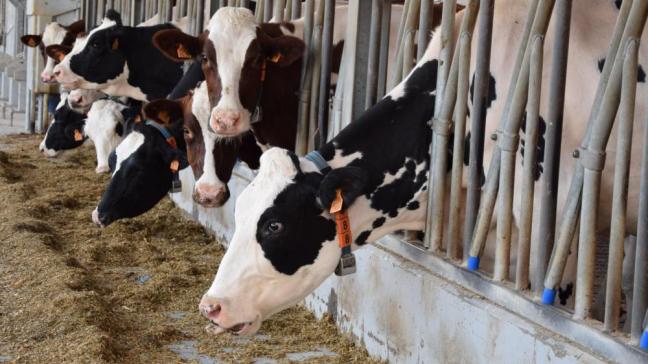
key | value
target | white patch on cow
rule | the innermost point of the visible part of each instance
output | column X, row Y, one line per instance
column 266, row 290
column 103, row 117
column 340, row 160
column 200, row 106
column 231, row 30
column 53, row 34
column 80, row 100
column 131, row 143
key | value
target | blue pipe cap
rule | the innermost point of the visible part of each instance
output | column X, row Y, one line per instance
column 643, row 343
column 548, row 296
column 473, row 263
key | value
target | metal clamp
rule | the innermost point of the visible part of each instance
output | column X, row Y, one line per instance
column 441, row 127
column 592, row 160
column 507, row 141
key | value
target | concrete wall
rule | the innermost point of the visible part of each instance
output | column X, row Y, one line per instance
column 407, row 306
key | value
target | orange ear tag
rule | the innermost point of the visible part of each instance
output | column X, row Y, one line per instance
column 78, row 136
column 336, row 206
column 31, row 42
column 182, row 52
column 175, row 165
column 276, row 57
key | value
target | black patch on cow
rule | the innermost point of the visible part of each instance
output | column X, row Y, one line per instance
column 144, row 177
column 413, row 205
column 304, row 230
column 378, row 222
column 540, row 149
column 155, row 74
column 119, row 129
column 362, row 238
column 492, row 94
column 564, row 294
column 641, row 74
column 60, row 134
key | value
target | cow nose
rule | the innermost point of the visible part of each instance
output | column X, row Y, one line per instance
column 210, row 308
column 210, row 196
column 222, row 121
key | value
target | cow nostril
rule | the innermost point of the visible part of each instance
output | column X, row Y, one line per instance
column 57, row 73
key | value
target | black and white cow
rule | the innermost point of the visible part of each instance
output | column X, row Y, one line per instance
column 142, row 165
column 285, row 241
column 119, row 61
column 53, row 34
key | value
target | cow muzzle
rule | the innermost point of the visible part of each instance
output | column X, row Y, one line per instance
column 100, row 219
column 47, row 77
column 208, row 195
column 216, row 312
column 227, row 123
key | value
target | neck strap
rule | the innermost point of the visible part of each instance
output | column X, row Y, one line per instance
column 319, row 161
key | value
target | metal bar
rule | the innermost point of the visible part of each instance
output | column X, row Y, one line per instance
column 200, row 17
column 278, row 12
column 441, row 130
column 231, row 3
column 528, row 178
column 359, row 78
column 374, row 53
column 569, row 217
column 289, row 10
column 396, row 68
column 301, row 141
column 101, row 10
column 489, row 197
column 296, row 9
column 445, row 58
column 325, row 71
column 463, row 88
column 620, row 192
column 316, row 53
column 384, row 49
column 267, row 10
column 408, row 38
column 425, row 27
column 478, row 119
column 260, row 6
column 553, row 136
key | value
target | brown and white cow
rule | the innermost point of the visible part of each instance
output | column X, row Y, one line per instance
column 285, row 241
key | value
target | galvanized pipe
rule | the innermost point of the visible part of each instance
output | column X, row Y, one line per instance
column 325, row 71
column 200, row 17
column 529, row 170
column 101, row 10
column 278, row 12
column 316, row 53
column 569, row 218
column 191, row 13
column 441, row 129
column 267, row 10
column 301, row 141
column 620, row 191
column 478, row 119
column 425, row 27
column 463, row 89
column 384, row 49
column 374, row 53
column 231, row 3
column 289, row 9
column 399, row 44
column 296, row 9
column 409, row 34
column 543, row 245
column 485, row 213
column 445, row 58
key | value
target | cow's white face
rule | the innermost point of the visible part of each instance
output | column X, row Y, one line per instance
column 53, row 34
column 283, row 248
column 81, row 99
column 231, row 31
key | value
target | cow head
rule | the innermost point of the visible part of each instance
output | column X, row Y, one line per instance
column 284, row 245
column 235, row 53
column 54, row 34
column 65, row 132
column 80, row 100
column 94, row 58
column 142, row 166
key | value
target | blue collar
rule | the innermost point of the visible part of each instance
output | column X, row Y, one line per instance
column 161, row 128
column 319, row 161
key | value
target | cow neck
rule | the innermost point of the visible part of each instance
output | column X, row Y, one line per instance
column 176, row 185
column 257, row 116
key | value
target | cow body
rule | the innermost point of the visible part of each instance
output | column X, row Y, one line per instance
column 285, row 241
column 119, row 61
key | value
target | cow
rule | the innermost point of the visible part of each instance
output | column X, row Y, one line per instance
column 54, row 34
column 118, row 60
column 285, row 243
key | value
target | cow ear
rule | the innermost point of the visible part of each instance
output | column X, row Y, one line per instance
column 351, row 180
column 176, row 45
column 57, row 51
column 283, row 50
column 113, row 15
column 165, row 112
column 76, row 27
column 31, row 40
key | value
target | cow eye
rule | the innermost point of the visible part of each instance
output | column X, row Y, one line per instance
column 203, row 58
column 187, row 133
column 274, row 227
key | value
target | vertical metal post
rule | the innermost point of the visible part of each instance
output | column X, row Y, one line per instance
column 260, row 7
column 408, row 39
column 301, row 141
column 358, row 38
column 528, row 178
column 374, row 53
column 463, row 88
column 200, row 17
column 478, row 119
column 267, row 10
column 425, row 27
column 433, row 238
column 553, row 136
column 325, row 72
column 296, row 9
column 289, row 8
column 101, row 10
column 620, row 192
column 278, row 12
column 384, row 48
column 316, row 52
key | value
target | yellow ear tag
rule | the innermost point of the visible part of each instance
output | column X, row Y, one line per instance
column 336, row 206
column 276, row 57
column 78, row 136
column 60, row 56
column 182, row 52
column 175, row 165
